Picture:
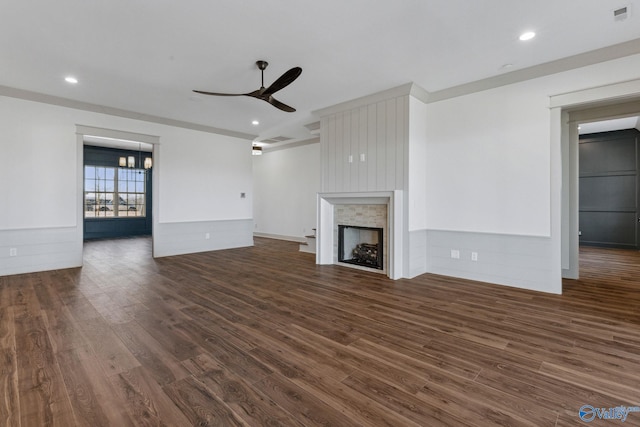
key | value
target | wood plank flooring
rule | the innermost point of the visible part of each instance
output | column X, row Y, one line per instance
column 262, row 336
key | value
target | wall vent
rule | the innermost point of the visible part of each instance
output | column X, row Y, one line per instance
column 621, row 14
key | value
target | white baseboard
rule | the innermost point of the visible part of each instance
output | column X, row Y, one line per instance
column 296, row 239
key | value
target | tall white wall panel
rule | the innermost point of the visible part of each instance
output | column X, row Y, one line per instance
column 364, row 148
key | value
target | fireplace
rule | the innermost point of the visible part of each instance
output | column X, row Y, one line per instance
column 382, row 209
column 361, row 246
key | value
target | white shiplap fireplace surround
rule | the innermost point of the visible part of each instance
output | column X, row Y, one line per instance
column 330, row 203
column 372, row 153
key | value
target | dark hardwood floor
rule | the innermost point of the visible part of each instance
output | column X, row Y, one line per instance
column 262, row 336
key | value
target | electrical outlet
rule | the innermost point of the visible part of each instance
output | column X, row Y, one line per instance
column 13, row 252
column 455, row 254
column 207, row 236
column 474, row 256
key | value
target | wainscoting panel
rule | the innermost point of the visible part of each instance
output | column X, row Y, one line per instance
column 417, row 259
column 518, row 261
column 39, row 249
column 178, row 238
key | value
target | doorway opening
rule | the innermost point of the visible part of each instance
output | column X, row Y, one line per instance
column 609, row 183
column 116, row 184
column 117, row 197
column 591, row 108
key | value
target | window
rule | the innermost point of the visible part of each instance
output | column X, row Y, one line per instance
column 114, row 192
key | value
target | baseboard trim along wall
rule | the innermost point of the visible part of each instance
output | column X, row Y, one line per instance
column 39, row 249
column 518, row 261
column 280, row 237
column 178, row 238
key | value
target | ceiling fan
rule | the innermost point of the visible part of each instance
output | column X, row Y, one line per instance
column 267, row 94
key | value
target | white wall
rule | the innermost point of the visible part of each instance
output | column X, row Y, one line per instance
column 198, row 179
column 488, row 156
column 491, row 188
column 38, row 173
column 202, row 176
column 286, row 182
column 488, row 162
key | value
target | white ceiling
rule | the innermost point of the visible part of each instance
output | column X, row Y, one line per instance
column 147, row 56
column 610, row 125
column 100, row 141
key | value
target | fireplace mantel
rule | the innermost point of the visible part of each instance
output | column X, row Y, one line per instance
column 325, row 227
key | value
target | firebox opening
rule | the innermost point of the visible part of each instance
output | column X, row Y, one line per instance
column 360, row 246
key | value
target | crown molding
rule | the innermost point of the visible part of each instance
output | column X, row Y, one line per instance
column 629, row 48
column 411, row 89
column 310, row 141
column 95, row 108
column 313, row 128
column 609, row 53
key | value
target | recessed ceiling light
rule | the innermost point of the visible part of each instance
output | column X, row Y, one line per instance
column 255, row 123
column 527, row 36
column 71, row 80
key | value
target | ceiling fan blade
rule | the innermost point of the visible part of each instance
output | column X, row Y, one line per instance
column 284, row 107
column 283, row 81
column 219, row 94
column 256, row 94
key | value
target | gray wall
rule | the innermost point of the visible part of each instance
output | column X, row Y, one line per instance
column 609, row 189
